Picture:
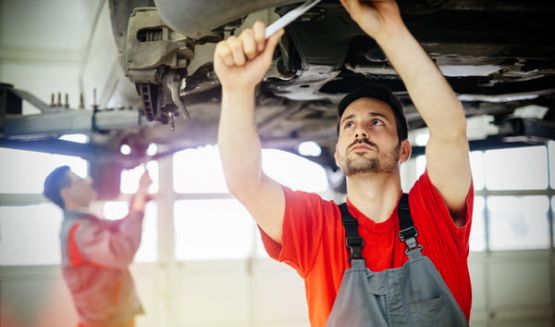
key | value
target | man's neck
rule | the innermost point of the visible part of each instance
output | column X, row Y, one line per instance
column 375, row 195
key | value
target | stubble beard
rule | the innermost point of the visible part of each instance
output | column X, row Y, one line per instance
column 376, row 165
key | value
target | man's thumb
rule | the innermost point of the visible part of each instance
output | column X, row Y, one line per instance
column 271, row 44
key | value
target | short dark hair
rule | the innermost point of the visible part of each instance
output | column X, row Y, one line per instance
column 54, row 183
column 379, row 92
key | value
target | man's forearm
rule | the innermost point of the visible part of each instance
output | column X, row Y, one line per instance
column 431, row 94
column 239, row 143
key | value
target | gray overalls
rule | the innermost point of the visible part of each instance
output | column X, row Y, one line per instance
column 412, row 295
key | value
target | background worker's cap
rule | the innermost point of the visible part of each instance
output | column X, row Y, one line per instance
column 379, row 92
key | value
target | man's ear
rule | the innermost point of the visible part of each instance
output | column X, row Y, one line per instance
column 65, row 193
column 405, row 151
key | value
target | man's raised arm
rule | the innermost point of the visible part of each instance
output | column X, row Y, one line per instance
column 447, row 157
column 240, row 63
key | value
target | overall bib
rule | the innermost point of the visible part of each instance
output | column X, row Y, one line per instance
column 413, row 295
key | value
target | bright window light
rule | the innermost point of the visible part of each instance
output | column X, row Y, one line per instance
column 115, row 210
column 420, row 165
column 553, row 215
column 25, row 171
column 213, row 229
column 147, row 252
column 200, row 171
column 477, row 232
column 477, row 167
column 310, row 149
column 518, row 223
column 551, row 146
column 30, row 235
column 130, row 178
column 494, row 163
column 516, row 169
column 422, row 139
column 77, row 138
column 260, row 250
column 294, row 171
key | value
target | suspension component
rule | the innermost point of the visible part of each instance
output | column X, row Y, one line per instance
column 156, row 61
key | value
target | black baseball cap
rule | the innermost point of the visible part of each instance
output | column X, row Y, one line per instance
column 379, row 92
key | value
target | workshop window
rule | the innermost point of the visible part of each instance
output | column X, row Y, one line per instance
column 477, row 167
column 25, row 171
column 30, row 235
column 147, row 250
column 200, row 171
column 551, row 146
column 518, row 223
column 553, row 218
column 294, row 171
column 420, row 165
column 260, row 251
column 502, row 178
column 477, row 232
column 130, row 178
column 517, row 168
column 212, row 229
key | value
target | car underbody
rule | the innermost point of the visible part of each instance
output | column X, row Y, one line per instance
column 497, row 55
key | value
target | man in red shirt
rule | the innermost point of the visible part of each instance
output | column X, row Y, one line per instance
column 307, row 232
column 96, row 253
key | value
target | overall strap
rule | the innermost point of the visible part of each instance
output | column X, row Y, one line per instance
column 355, row 243
column 407, row 232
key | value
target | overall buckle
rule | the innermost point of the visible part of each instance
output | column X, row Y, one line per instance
column 355, row 245
column 408, row 236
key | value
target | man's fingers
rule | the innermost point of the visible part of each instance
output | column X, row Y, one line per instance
column 346, row 4
column 236, row 51
column 271, row 44
column 349, row 5
column 224, row 53
column 248, row 42
column 259, row 28
column 353, row 7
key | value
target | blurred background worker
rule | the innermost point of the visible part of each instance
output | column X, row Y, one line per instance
column 96, row 253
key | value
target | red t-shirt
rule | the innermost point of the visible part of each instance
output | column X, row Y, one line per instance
column 313, row 242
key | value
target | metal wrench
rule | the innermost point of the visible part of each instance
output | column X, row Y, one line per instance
column 289, row 17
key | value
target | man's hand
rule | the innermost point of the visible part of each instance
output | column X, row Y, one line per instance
column 144, row 182
column 241, row 62
column 140, row 199
column 377, row 18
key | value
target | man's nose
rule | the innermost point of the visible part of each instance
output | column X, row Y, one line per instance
column 361, row 133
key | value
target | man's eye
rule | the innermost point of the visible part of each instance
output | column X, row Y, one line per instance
column 348, row 124
column 377, row 122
